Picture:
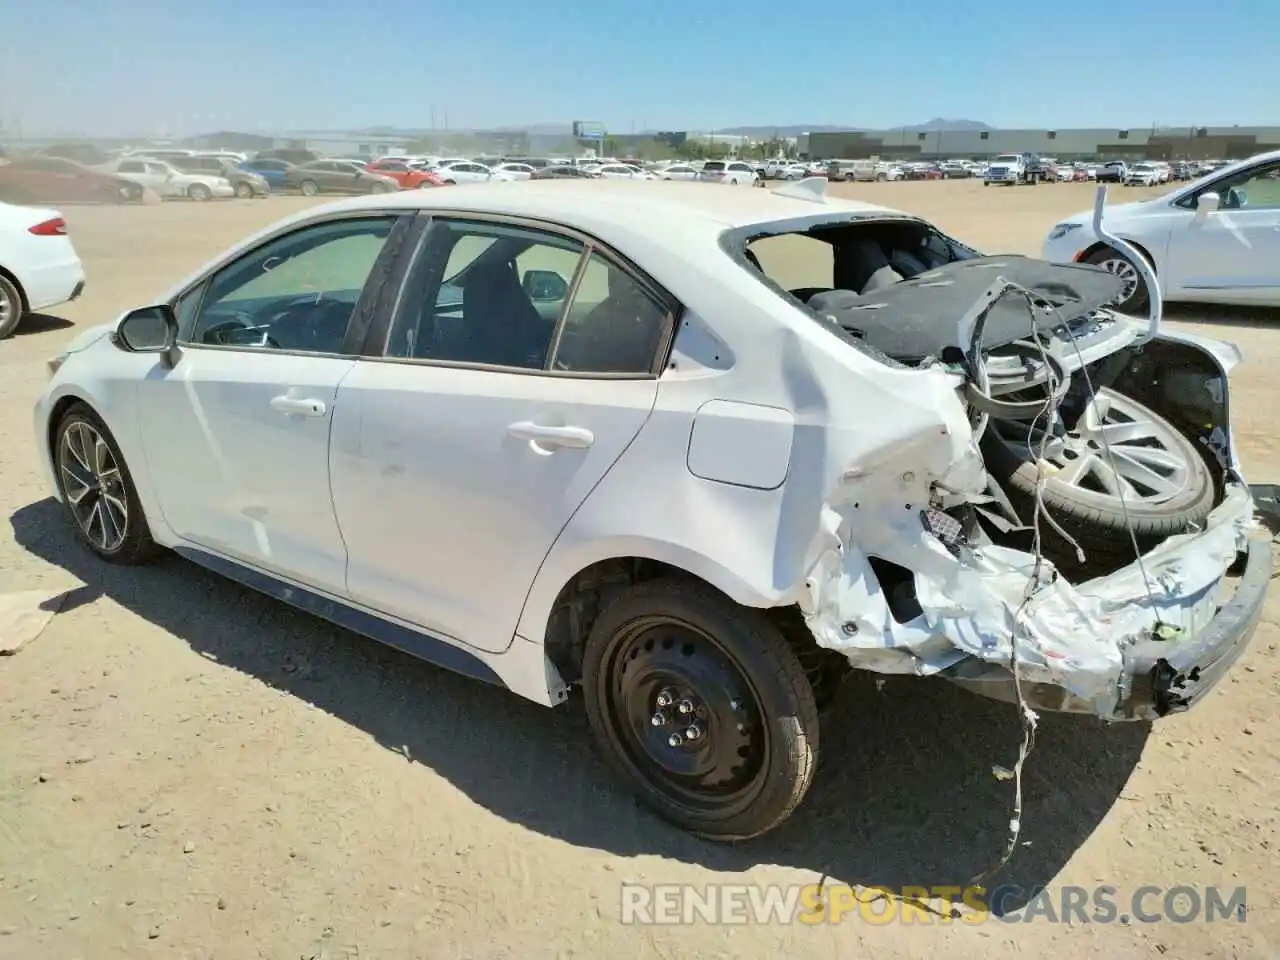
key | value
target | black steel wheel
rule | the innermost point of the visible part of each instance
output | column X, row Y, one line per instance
column 98, row 491
column 703, row 706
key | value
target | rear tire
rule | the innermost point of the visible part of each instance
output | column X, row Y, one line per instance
column 732, row 749
column 12, row 307
column 91, row 470
column 309, row 188
column 244, row 191
column 199, row 193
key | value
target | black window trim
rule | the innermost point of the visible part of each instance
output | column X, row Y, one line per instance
column 379, row 332
column 402, row 224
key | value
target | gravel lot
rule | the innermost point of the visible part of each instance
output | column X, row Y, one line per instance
column 188, row 770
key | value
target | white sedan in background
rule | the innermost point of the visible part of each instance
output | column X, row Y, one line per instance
column 516, row 171
column 39, row 267
column 170, row 182
column 679, row 171
column 1214, row 240
column 622, row 171
column 468, row 171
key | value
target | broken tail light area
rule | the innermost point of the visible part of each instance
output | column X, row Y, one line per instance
column 1090, row 571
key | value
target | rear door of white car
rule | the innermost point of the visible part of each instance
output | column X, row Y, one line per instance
column 236, row 432
column 517, row 367
column 1233, row 250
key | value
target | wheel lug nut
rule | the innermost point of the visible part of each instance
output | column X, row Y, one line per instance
column 665, row 698
column 735, row 705
column 685, row 706
column 659, row 719
column 675, row 740
column 693, row 732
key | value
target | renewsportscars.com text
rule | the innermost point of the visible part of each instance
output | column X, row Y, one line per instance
column 667, row 904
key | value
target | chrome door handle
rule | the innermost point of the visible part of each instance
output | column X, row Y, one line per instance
column 304, row 407
column 576, row 438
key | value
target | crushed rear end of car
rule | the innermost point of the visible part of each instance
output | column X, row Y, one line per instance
column 1073, row 531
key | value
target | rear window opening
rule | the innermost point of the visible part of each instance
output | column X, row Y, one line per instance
column 713, row 165
column 858, row 257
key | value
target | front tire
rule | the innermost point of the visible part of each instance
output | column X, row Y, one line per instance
column 199, row 193
column 244, row 191
column 703, row 707
column 309, row 188
column 98, row 490
column 1135, row 297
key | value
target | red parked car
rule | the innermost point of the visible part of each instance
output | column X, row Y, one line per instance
column 51, row 179
column 409, row 178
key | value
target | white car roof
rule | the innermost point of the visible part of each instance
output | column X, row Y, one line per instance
column 609, row 208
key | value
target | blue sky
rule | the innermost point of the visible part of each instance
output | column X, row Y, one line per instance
column 178, row 67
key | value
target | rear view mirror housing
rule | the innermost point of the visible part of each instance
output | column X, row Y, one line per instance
column 147, row 330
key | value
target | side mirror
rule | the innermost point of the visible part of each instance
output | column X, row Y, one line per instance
column 1207, row 203
column 544, row 285
column 147, row 330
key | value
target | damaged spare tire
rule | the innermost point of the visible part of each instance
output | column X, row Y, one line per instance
column 1120, row 473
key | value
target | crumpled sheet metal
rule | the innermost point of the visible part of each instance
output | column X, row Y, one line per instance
column 24, row 615
column 1074, row 636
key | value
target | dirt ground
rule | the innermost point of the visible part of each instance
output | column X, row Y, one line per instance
column 189, row 770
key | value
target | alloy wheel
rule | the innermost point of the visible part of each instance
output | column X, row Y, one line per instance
column 1115, row 451
column 1127, row 273
column 93, row 486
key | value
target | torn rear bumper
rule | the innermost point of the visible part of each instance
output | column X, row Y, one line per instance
column 1161, row 676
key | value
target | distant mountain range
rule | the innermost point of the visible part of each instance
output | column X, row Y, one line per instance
column 795, row 129
column 758, row 131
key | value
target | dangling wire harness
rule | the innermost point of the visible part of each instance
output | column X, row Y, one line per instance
column 987, row 407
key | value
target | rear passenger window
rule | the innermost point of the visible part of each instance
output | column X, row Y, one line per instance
column 507, row 296
column 614, row 325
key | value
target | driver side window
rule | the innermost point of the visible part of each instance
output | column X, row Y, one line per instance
column 296, row 292
column 1256, row 189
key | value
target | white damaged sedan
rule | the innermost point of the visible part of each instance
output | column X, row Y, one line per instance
column 697, row 453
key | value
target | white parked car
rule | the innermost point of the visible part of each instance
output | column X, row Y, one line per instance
column 1141, row 175
column 515, row 171
column 170, row 182
column 679, row 171
column 39, row 267
column 728, row 171
column 677, row 465
column 621, row 171
column 468, row 171
column 1214, row 240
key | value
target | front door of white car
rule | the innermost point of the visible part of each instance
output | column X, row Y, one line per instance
column 236, row 432
column 512, row 377
column 1233, row 250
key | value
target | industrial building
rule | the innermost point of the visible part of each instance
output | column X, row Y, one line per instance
column 1150, row 143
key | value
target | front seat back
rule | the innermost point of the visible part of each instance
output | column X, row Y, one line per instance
column 503, row 326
